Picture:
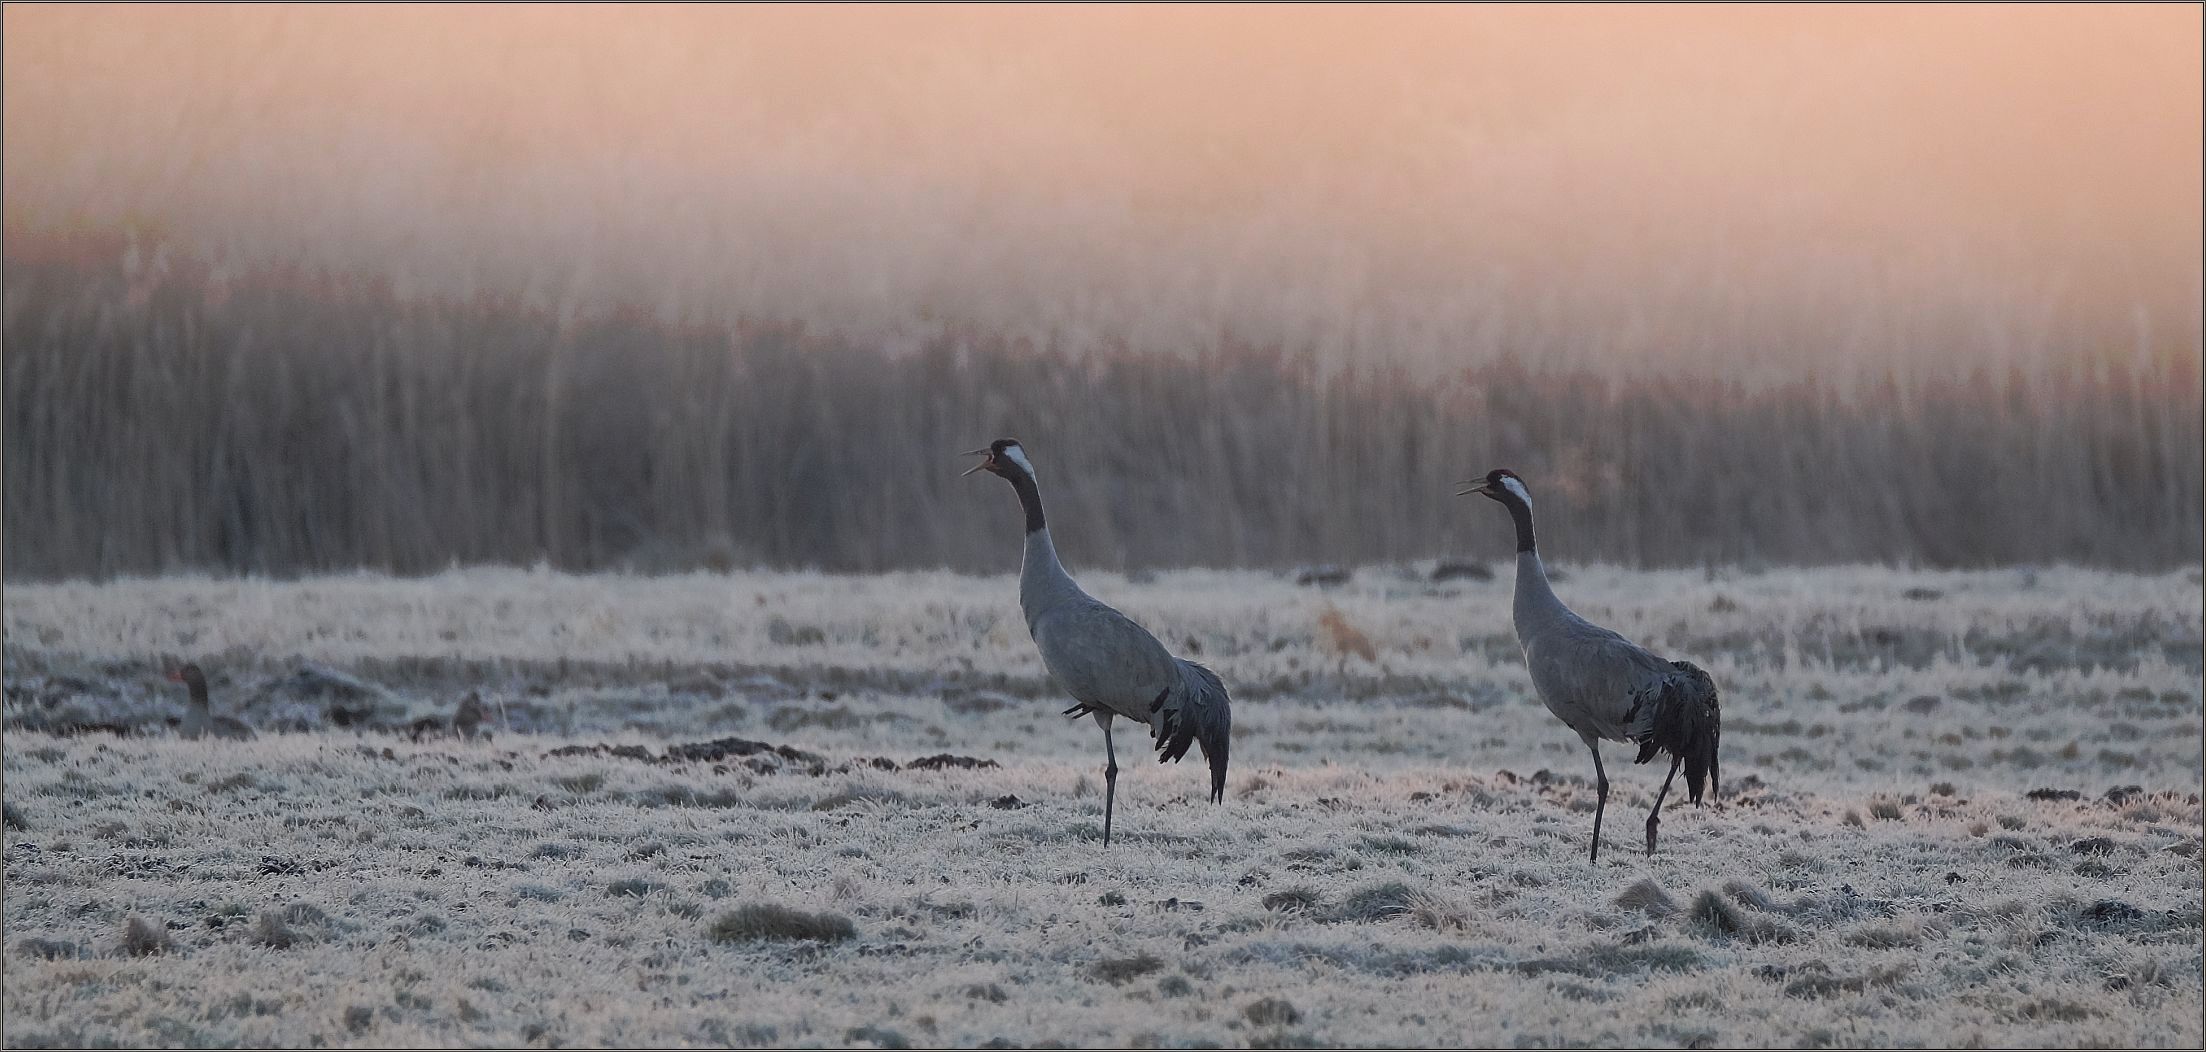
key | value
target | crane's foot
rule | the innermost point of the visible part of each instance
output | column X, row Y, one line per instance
column 1652, row 822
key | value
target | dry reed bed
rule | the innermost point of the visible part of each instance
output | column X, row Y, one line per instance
column 299, row 425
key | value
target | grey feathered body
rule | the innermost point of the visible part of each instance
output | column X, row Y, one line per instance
column 1590, row 677
column 1110, row 664
column 1606, row 687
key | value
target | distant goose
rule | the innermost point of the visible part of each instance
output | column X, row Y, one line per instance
column 1600, row 684
column 199, row 721
column 1110, row 665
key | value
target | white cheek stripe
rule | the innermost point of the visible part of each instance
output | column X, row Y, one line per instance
column 1019, row 457
column 1512, row 485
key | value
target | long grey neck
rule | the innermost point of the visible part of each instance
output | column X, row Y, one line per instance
column 1535, row 605
column 1521, row 513
column 1043, row 581
column 198, row 693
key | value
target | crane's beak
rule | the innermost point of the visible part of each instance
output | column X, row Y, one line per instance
column 976, row 467
column 1476, row 486
column 175, row 676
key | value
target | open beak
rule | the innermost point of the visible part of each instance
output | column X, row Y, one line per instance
column 976, row 467
column 1476, row 486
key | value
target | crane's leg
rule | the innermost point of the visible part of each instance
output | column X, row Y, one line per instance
column 1110, row 774
column 1654, row 817
column 1601, row 791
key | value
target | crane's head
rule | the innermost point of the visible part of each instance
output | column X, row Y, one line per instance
column 190, row 676
column 1004, row 458
column 1500, row 484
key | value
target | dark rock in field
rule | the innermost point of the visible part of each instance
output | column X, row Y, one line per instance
column 2051, row 795
column 1325, row 576
column 619, row 752
column 1922, row 595
column 2096, row 845
column 50, row 950
column 1007, row 802
column 11, row 819
column 767, row 922
column 1118, row 970
column 1922, row 703
column 1461, row 570
column 2110, row 913
column 941, row 761
column 724, row 748
column 2122, row 794
column 875, row 1037
column 1955, row 878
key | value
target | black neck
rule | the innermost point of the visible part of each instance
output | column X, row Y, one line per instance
column 1521, row 512
column 1030, row 498
column 198, row 692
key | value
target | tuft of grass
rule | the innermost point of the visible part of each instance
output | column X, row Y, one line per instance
column 272, row 932
column 38, row 949
column 581, row 784
column 1272, row 1011
column 1884, row 810
column 878, row 1037
column 1440, row 914
column 1342, row 638
column 989, row 992
column 1884, row 937
column 1291, row 900
column 1717, row 917
column 766, row 922
column 1376, row 902
column 143, row 938
column 1647, row 897
column 856, row 794
column 1119, row 970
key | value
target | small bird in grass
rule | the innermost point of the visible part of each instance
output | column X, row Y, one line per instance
column 1111, row 666
column 199, row 721
column 1602, row 685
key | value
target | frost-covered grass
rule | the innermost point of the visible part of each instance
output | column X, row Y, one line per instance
column 1400, row 858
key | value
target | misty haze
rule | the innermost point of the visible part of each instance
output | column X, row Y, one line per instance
column 543, row 427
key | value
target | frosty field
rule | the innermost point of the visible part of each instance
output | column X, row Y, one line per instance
column 794, row 809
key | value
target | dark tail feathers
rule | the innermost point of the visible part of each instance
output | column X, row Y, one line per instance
column 1681, row 716
column 1196, row 712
